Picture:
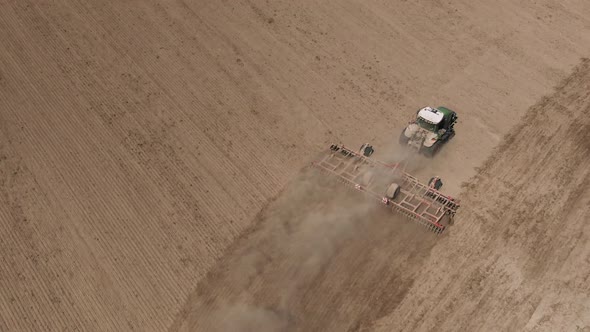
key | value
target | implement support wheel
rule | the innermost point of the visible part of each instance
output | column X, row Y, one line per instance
column 392, row 191
column 366, row 179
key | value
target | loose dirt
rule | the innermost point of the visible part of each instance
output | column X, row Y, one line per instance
column 516, row 259
column 139, row 140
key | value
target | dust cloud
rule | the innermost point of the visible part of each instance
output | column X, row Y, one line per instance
column 317, row 239
column 240, row 317
column 305, row 226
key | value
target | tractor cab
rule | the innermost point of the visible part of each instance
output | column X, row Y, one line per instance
column 430, row 119
column 433, row 127
column 436, row 119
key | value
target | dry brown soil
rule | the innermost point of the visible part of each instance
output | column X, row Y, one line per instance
column 142, row 141
column 517, row 257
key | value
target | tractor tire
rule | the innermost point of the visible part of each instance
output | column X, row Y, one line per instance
column 432, row 184
column 451, row 135
column 392, row 191
column 430, row 152
column 448, row 136
column 403, row 139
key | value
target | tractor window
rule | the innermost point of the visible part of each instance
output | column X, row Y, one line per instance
column 427, row 125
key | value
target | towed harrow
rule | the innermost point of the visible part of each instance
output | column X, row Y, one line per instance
column 391, row 185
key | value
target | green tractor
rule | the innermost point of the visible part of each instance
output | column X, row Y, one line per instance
column 431, row 129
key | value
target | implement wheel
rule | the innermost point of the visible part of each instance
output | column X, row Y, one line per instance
column 392, row 191
column 366, row 179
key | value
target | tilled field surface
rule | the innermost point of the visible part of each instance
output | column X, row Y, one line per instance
column 139, row 140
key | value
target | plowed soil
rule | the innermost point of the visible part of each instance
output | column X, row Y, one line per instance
column 151, row 156
column 516, row 259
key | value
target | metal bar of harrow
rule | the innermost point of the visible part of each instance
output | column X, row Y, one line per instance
column 425, row 219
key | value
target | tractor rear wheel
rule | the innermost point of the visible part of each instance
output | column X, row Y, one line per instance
column 403, row 139
column 432, row 150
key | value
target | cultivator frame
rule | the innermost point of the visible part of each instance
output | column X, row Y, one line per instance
column 415, row 200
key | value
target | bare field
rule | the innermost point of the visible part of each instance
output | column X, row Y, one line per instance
column 516, row 258
column 139, row 141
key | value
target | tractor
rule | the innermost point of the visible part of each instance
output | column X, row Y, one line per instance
column 432, row 128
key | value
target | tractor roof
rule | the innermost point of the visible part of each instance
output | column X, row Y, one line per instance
column 445, row 110
column 431, row 115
